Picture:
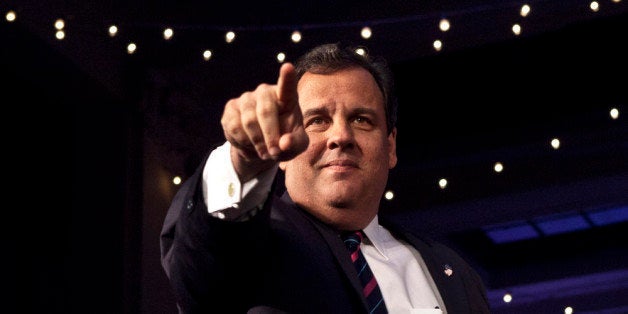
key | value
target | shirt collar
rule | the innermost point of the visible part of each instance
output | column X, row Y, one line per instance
column 377, row 236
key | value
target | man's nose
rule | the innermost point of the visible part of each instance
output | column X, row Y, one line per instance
column 340, row 134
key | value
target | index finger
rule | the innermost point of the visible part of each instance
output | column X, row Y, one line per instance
column 271, row 105
column 287, row 87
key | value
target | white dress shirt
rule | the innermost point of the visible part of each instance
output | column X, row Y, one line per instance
column 403, row 278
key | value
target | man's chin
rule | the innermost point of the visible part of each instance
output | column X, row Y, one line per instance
column 339, row 193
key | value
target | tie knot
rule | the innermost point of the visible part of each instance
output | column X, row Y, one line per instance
column 352, row 240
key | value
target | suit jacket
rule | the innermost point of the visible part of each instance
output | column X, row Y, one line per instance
column 284, row 260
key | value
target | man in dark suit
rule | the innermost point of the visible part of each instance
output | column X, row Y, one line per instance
column 326, row 131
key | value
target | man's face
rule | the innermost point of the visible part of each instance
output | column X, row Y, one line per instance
column 341, row 176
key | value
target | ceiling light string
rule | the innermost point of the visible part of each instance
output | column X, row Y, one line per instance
column 432, row 16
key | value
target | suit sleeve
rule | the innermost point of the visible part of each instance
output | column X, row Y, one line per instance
column 210, row 260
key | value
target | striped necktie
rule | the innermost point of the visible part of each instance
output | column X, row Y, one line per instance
column 370, row 288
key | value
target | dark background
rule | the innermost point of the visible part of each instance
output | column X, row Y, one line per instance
column 93, row 136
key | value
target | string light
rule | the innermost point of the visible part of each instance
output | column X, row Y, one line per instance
column 112, row 31
column 168, row 33
column 438, row 45
column 555, row 143
column 207, row 54
column 516, row 29
column 444, row 25
column 230, row 37
column 614, row 113
column 296, row 36
column 525, row 10
column 498, row 167
column 131, row 48
column 176, row 180
column 281, row 57
column 366, row 32
column 10, row 16
column 389, row 195
column 442, row 183
column 59, row 24
column 594, row 6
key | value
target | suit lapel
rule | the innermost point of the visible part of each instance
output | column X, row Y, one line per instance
column 448, row 282
column 338, row 249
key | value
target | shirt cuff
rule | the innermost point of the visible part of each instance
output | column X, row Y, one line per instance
column 225, row 196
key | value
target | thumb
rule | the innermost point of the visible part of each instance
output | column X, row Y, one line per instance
column 293, row 143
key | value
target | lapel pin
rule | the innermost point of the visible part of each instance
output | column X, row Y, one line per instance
column 448, row 271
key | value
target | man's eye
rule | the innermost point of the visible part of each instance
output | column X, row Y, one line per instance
column 362, row 120
column 316, row 121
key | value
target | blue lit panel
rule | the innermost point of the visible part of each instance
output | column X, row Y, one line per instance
column 563, row 224
column 609, row 216
column 511, row 233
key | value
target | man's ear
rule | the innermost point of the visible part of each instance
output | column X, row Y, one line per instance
column 392, row 148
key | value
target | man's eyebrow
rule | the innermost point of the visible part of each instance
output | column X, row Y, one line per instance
column 314, row 112
column 323, row 110
column 363, row 110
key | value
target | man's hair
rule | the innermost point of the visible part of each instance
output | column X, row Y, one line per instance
column 329, row 58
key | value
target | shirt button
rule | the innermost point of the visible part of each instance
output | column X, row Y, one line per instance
column 189, row 204
column 230, row 189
